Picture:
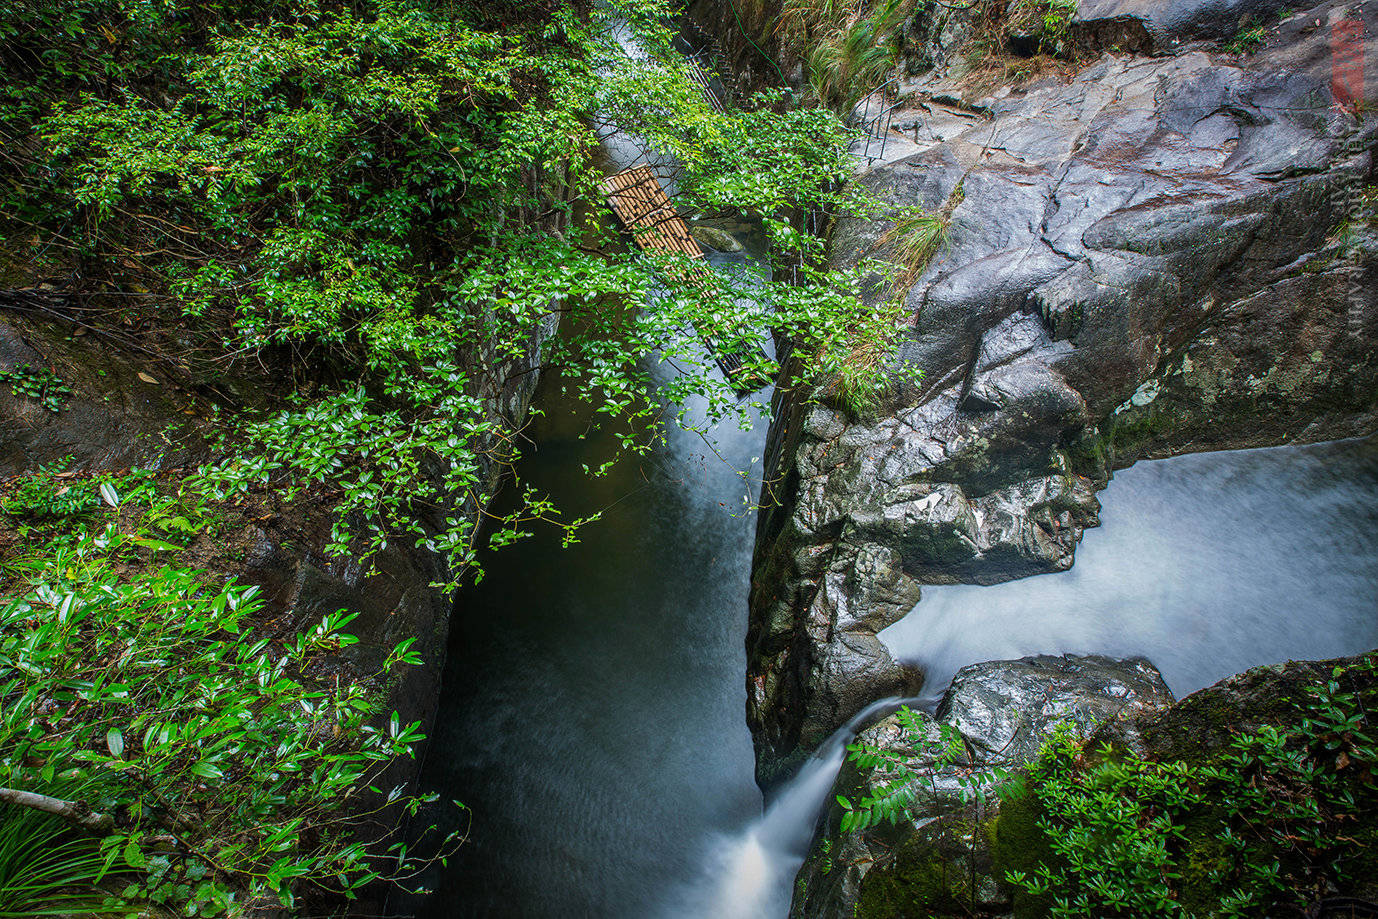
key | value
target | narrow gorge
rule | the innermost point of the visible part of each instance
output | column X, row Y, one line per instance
column 949, row 487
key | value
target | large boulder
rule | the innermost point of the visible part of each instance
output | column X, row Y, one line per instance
column 1161, row 254
column 941, row 860
column 1155, row 26
column 951, row 855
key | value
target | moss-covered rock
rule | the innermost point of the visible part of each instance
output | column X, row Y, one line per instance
column 930, row 874
column 1019, row 844
column 950, row 858
column 954, row 856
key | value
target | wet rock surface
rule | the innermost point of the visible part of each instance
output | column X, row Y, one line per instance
column 943, row 859
column 952, row 858
column 114, row 417
column 715, row 238
column 1161, row 254
column 1164, row 26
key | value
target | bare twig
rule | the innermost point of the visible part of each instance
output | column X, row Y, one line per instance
column 74, row 812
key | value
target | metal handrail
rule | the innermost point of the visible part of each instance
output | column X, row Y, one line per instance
column 877, row 127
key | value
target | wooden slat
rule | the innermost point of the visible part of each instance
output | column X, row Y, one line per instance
column 643, row 207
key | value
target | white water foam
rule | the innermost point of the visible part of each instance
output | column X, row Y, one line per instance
column 749, row 875
column 1206, row 564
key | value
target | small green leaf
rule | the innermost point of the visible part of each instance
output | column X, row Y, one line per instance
column 156, row 544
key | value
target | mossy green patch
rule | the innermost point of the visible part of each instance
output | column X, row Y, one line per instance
column 1018, row 843
column 921, row 881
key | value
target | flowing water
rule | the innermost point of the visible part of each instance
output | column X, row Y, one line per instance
column 1206, row 564
column 592, row 716
column 593, row 708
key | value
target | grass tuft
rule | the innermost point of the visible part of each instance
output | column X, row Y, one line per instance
column 46, row 869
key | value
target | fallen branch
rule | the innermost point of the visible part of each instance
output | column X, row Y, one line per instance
column 74, row 812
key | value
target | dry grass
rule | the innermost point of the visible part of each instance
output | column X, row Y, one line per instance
column 849, row 46
column 912, row 242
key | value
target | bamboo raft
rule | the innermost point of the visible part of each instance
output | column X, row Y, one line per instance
column 648, row 214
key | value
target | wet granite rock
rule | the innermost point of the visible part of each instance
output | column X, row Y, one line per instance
column 113, row 419
column 715, row 238
column 1162, row 254
column 1157, row 27
column 944, row 861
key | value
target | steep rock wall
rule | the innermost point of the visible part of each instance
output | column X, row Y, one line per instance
column 1157, row 255
column 135, row 407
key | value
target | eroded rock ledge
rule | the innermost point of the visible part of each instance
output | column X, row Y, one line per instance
column 1161, row 254
column 945, row 856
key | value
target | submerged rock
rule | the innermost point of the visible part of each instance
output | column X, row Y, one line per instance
column 946, row 859
column 714, row 238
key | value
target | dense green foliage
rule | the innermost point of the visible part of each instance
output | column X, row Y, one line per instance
column 382, row 206
column 393, row 197
column 234, row 767
column 1280, row 821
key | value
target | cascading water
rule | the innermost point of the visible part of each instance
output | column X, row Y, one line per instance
column 592, row 716
column 750, row 874
column 1206, row 564
column 592, row 712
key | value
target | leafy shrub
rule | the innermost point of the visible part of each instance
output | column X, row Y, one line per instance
column 1268, row 825
column 236, row 766
column 1112, row 829
column 1278, row 822
column 40, row 384
column 387, row 193
column 50, row 494
column 1247, row 39
column 932, row 752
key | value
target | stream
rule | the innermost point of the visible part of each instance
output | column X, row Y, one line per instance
column 1207, row 564
column 592, row 717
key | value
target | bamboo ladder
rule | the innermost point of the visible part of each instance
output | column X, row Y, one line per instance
column 646, row 211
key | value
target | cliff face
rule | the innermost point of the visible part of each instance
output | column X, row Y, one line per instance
column 133, row 406
column 1156, row 252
